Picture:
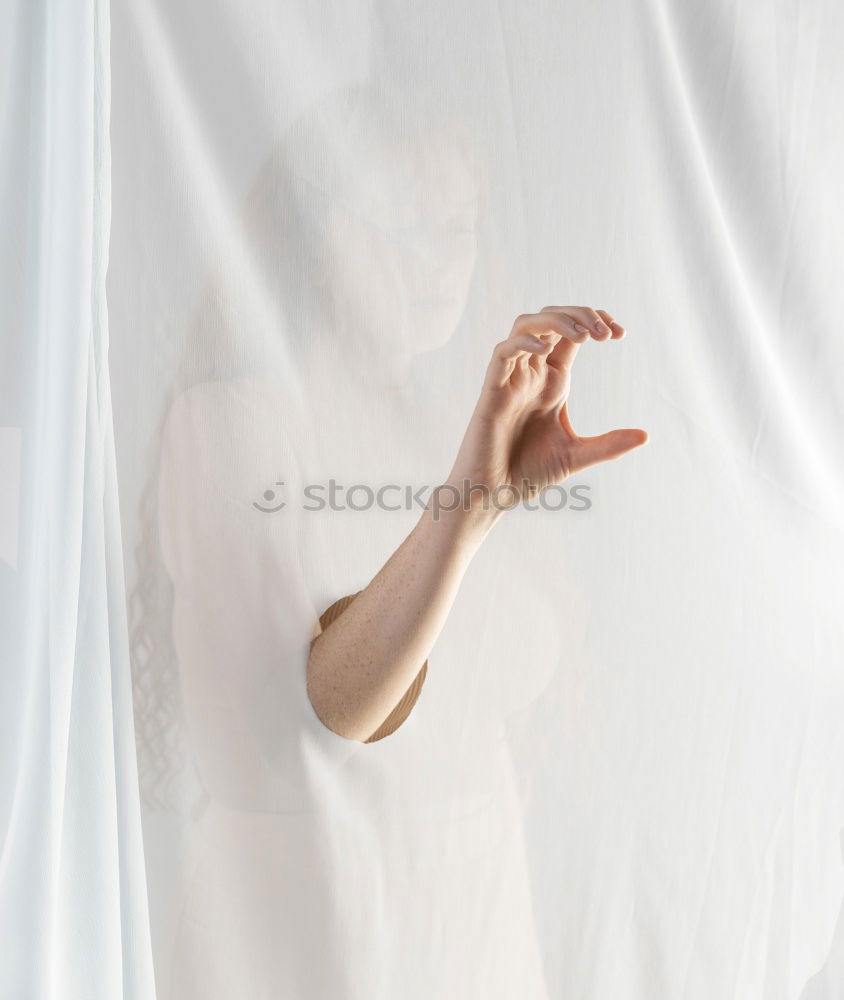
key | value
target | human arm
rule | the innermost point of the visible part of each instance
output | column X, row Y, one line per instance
column 519, row 441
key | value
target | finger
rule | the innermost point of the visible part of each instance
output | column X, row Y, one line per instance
column 570, row 327
column 588, row 451
column 618, row 330
column 590, row 319
column 530, row 343
column 563, row 355
column 550, row 322
column 585, row 319
column 509, row 352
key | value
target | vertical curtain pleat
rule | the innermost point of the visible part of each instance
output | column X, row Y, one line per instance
column 73, row 904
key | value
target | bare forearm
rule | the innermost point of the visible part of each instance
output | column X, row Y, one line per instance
column 363, row 663
column 519, row 438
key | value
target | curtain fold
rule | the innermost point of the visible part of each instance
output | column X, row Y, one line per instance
column 73, row 907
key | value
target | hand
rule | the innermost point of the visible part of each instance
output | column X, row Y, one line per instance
column 519, row 440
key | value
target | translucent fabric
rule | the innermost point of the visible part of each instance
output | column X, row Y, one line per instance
column 74, row 918
column 623, row 776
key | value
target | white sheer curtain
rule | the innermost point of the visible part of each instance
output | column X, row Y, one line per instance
column 624, row 776
column 73, row 902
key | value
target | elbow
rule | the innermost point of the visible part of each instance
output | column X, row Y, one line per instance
column 327, row 704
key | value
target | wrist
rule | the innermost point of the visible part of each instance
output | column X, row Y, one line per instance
column 466, row 503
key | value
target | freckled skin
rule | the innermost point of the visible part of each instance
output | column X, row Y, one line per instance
column 519, row 441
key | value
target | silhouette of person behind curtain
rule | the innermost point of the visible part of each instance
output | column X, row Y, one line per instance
column 321, row 867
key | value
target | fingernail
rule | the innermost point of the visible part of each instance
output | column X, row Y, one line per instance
column 602, row 327
column 580, row 329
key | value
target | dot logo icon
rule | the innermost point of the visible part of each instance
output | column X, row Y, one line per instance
column 271, row 501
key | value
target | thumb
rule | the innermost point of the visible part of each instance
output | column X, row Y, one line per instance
column 603, row 447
